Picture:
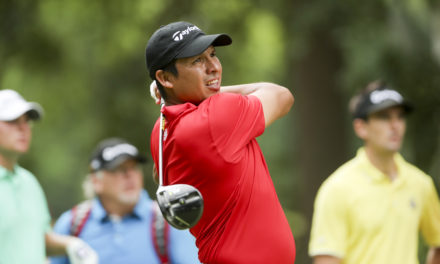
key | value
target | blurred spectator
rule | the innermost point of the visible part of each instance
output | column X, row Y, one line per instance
column 121, row 222
column 371, row 209
column 25, row 232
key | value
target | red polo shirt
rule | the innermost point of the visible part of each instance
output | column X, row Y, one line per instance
column 212, row 147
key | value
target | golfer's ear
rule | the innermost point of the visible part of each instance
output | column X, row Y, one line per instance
column 165, row 78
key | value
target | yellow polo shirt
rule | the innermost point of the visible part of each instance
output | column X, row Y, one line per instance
column 362, row 217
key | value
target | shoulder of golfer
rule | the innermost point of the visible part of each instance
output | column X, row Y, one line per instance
column 275, row 99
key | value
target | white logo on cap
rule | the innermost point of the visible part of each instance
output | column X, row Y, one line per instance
column 178, row 35
column 112, row 152
column 379, row 96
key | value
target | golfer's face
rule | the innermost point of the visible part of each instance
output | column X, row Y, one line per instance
column 199, row 77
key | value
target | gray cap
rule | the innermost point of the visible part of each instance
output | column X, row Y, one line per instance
column 13, row 105
column 112, row 152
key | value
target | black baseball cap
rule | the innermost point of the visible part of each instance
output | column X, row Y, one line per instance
column 112, row 152
column 179, row 40
column 379, row 99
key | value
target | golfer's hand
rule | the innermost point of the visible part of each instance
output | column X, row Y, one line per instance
column 80, row 253
column 154, row 92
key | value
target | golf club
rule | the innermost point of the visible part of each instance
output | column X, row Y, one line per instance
column 181, row 204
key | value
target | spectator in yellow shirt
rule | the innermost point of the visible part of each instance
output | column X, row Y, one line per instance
column 372, row 209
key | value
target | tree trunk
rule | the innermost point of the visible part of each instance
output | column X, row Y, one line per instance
column 321, row 121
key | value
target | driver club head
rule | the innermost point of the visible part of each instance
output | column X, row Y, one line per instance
column 180, row 204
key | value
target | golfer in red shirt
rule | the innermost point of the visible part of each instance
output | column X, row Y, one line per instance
column 210, row 143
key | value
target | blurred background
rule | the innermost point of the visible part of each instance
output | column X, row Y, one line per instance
column 84, row 62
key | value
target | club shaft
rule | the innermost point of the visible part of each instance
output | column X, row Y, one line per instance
column 161, row 130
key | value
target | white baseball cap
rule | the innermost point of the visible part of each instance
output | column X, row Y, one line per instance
column 13, row 105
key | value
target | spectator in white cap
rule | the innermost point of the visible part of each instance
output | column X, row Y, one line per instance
column 25, row 232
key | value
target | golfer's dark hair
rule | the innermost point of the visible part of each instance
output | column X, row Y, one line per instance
column 171, row 68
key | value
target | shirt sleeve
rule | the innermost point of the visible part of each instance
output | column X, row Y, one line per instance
column 235, row 120
column 42, row 201
column 430, row 219
column 330, row 222
column 182, row 247
column 47, row 217
column 154, row 145
column 62, row 226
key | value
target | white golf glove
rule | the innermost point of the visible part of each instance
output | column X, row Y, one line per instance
column 80, row 253
column 154, row 92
